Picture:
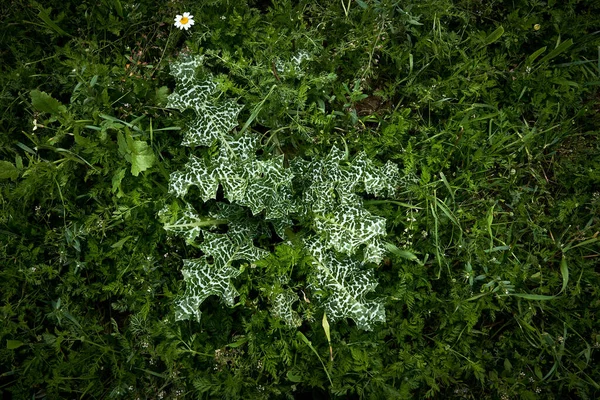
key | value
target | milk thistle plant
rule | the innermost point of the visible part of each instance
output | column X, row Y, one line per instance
column 315, row 205
column 277, row 232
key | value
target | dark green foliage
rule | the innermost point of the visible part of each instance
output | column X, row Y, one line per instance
column 490, row 109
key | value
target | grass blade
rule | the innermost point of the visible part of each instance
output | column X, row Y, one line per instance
column 492, row 37
column 558, row 50
column 564, row 271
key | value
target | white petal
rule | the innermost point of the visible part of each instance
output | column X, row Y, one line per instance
column 186, row 14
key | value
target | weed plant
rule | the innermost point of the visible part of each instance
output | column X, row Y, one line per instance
column 489, row 286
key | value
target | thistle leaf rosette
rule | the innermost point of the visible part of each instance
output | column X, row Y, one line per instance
column 322, row 196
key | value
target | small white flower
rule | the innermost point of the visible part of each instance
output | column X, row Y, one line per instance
column 184, row 21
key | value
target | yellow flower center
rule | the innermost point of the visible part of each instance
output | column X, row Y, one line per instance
column 184, row 20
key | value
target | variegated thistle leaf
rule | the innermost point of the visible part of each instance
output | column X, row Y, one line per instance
column 345, row 283
column 350, row 226
column 339, row 216
column 204, row 279
column 378, row 181
column 332, row 180
column 256, row 184
column 231, row 168
column 214, row 121
column 228, row 169
column 184, row 70
column 226, row 248
column 282, row 307
column 187, row 223
column 195, row 173
column 270, row 189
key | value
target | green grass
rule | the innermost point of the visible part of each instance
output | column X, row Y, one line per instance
column 490, row 109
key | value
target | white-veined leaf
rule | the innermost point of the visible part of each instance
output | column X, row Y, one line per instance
column 345, row 283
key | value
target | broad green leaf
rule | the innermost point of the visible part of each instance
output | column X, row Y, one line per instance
column 570, row 246
column 116, row 182
column 400, row 253
column 302, row 337
column 238, row 343
column 137, row 152
column 120, row 243
column 293, row 377
column 142, row 156
column 162, row 95
column 8, row 170
column 325, row 325
column 13, row 344
column 44, row 15
column 529, row 296
column 44, row 102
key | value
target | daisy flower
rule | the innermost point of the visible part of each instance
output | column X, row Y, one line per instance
column 184, row 21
